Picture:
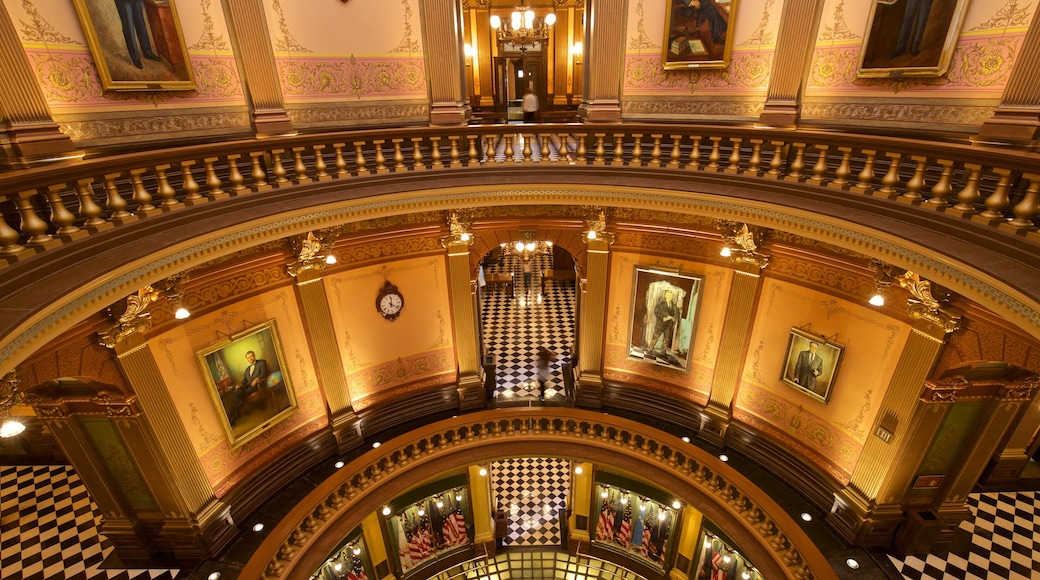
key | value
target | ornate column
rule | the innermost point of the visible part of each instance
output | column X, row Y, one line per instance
column 1017, row 120
column 311, row 252
column 581, row 501
column 31, row 136
column 604, row 33
column 483, row 510
column 442, row 35
column 462, row 287
column 740, row 311
column 795, row 41
column 201, row 524
column 252, row 43
column 687, row 545
column 866, row 512
column 593, row 313
column 372, row 529
column 1006, row 468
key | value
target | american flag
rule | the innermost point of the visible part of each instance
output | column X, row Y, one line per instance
column 624, row 535
column 357, row 571
column 605, row 525
column 416, row 546
column 717, row 573
column 454, row 528
column 644, row 547
column 404, row 546
column 425, row 536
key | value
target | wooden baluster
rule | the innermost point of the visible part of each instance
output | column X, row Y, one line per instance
column 795, row 169
column 776, row 164
column 819, row 170
column 279, row 169
column 916, row 183
column 734, row 156
column 417, row 155
column 340, row 162
column 715, row 155
column 299, row 167
column 61, row 216
column 32, row 224
column 637, row 150
column 435, row 152
column 114, row 201
column 756, row 157
column 359, row 157
column 89, row 210
column 967, row 197
column 942, row 188
column 9, row 245
column 545, row 153
column 258, row 173
column 527, row 138
column 380, row 158
column 474, row 155
column 676, row 154
column 509, row 148
column 694, row 161
column 844, row 170
column 655, row 153
column 398, row 156
column 320, row 167
column 235, row 176
column 601, row 151
column 997, row 201
column 212, row 181
column 163, row 189
column 866, row 175
column 891, row 178
column 141, row 197
column 1026, row 210
column 619, row 150
column 454, row 153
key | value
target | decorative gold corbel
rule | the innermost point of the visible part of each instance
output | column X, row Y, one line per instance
column 458, row 229
column 742, row 243
column 927, row 301
column 312, row 251
column 596, row 225
column 130, row 316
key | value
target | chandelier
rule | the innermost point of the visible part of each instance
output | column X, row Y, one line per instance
column 526, row 247
column 524, row 28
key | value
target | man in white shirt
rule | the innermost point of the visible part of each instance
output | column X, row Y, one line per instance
column 530, row 106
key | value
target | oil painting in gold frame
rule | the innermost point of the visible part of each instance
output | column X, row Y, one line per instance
column 137, row 45
column 698, row 34
column 910, row 38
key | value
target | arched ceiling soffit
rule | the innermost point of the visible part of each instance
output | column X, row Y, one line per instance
column 298, row 544
column 118, row 267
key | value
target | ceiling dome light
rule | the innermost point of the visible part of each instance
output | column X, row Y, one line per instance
column 376, row 445
column 10, row 428
column 685, row 439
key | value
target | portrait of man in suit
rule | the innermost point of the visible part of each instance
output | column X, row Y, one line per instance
column 811, row 364
column 808, row 367
column 254, row 379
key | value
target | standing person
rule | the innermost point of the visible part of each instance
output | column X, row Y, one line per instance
column 252, row 381
column 131, row 14
column 665, row 314
column 528, row 272
column 808, row 367
column 542, row 360
column 530, row 106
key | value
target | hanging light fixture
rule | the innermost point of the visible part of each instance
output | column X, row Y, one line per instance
column 523, row 29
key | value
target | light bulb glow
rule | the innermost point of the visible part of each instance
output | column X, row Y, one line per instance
column 376, row 444
column 356, row 551
column 661, row 516
column 339, row 465
column 577, row 48
column 685, row 439
column 745, row 575
column 676, row 504
column 338, row 567
column 483, row 472
column 725, row 253
column 10, row 428
column 496, row 22
column 258, row 527
column 458, row 497
column 624, row 501
column 591, row 235
column 642, row 508
column 213, row 576
column 550, row 19
column 181, row 313
column 806, row 517
column 727, row 559
column 724, row 457
column 421, row 512
column 330, row 259
column 519, row 246
column 467, row 49
column 877, row 300
column 465, row 236
column 516, row 19
column 852, row 563
column 440, row 504
column 529, row 19
column 578, row 470
column 603, row 495
column 386, row 510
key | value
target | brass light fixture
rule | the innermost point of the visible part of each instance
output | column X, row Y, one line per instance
column 9, row 397
column 523, row 29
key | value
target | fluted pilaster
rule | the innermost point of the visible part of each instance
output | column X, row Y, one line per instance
column 463, row 306
column 604, row 32
column 314, row 304
column 442, row 30
column 593, row 317
column 740, row 311
column 1017, row 120
column 794, row 46
column 256, row 57
column 33, row 137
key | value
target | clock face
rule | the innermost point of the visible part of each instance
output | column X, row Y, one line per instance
column 389, row 302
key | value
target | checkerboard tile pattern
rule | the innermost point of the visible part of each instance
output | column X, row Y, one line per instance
column 49, row 529
column 1005, row 542
column 516, row 322
column 532, row 490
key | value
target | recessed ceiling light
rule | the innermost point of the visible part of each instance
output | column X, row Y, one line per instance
column 852, row 563
column 806, row 517
column 724, row 457
column 213, row 576
column 686, row 439
column 258, row 527
column 376, row 444
column 339, row 464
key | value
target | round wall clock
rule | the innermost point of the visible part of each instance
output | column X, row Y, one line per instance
column 389, row 301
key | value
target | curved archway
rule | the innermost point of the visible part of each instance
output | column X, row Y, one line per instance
column 770, row 538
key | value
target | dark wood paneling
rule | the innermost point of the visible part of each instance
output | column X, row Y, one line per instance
column 653, row 408
column 411, row 411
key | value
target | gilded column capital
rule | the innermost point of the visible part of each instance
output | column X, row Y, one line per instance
column 130, row 315
column 458, row 230
column 928, row 301
column 742, row 243
column 313, row 252
column 596, row 235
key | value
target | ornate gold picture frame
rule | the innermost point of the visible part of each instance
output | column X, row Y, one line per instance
column 698, row 34
column 137, row 45
column 811, row 364
column 664, row 316
column 248, row 382
column 910, row 38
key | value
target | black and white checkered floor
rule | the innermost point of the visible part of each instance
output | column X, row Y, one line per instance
column 533, row 492
column 49, row 529
column 517, row 320
column 1005, row 542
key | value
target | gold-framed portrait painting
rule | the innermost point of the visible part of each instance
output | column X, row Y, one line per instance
column 247, row 381
column 664, row 316
column 811, row 364
column 698, row 34
column 137, row 45
column 910, row 38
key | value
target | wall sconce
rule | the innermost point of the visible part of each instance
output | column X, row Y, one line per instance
column 577, row 52
column 467, row 50
column 9, row 397
column 884, row 276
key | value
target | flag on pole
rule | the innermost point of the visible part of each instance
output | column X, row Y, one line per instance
column 624, row 535
column 357, row 571
column 404, row 547
column 454, row 529
column 605, row 524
